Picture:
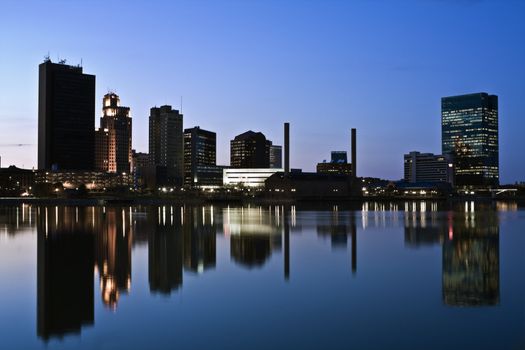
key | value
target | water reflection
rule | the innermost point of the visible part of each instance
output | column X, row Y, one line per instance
column 255, row 233
column 469, row 237
column 471, row 258
column 338, row 226
column 200, row 232
column 113, row 253
column 165, row 249
column 75, row 245
column 65, row 256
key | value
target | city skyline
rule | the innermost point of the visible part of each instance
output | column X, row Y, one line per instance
column 339, row 85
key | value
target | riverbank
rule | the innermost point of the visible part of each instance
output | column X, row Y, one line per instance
column 201, row 200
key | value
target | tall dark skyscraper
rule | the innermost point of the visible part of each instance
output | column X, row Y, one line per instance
column 250, row 150
column 166, row 143
column 469, row 130
column 66, row 117
column 113, row 138
column 200, row 154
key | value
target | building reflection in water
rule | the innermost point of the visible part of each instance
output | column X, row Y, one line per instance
column 165, row 249
column 181, row 238
column 338, row 226
column 200, row 236
column 65, row 258
column 471, row 258
column 113, row 252
column 255, row 232
column 16, row 218
column 469, row 237
column 424, row 225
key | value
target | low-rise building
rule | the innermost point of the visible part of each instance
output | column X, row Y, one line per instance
column 251, row 177
column 428, row 167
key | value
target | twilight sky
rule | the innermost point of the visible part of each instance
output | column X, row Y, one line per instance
column 324, row 66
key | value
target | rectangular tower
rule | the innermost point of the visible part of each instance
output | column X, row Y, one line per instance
column 166, row 143
column 66, row 117
column 200, row 155
column 469, row 129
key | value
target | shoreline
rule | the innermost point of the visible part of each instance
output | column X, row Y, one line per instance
column 95, row 201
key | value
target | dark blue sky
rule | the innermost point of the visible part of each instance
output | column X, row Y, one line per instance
column 324, row 66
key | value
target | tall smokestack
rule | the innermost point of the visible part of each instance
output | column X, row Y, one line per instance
column 354, row 154
column 286, row 148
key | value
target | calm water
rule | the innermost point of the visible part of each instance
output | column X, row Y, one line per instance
column 418, row 275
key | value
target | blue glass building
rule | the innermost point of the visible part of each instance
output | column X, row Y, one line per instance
column 469, row 131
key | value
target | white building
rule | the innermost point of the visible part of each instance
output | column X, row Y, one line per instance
column 247, row 177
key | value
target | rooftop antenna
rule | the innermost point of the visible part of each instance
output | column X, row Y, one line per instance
column 181, row 104
column 46, row 58
column 80, row 62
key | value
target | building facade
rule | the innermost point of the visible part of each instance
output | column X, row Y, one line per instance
column 248, row 177
column 428, row 167
column 469, row 127
column 276, row 157
column 66, row 117
column 338, row 164
column 113, row 138
column 250, row 150
column 166, row 144
column 141, row 169
column 200, row 156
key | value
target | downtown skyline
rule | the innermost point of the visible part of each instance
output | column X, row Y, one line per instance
column 394, row 101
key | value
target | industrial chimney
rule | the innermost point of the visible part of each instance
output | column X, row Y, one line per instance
column 354, row 154
column 286, row 148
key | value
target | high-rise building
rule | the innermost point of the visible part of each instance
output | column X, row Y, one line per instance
column 200, row 155
column 113, row 138
column 66, row 117
column 166, row 144
column 428, row 167
column 276, row 157
column 250, row 150
column 469, row 129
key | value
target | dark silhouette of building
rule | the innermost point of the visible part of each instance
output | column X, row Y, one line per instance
column 66, row 117
column 113, row 138
column 250, row 150
column 469, row 129
column 65, row 258
column 14, row 181
column 338, row 165
column 200, row 154
column 308, row 185
column 166, row 145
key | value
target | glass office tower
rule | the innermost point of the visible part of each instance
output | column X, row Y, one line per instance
column 469, row 131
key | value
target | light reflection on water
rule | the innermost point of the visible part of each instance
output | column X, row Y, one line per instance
column 85, row 255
